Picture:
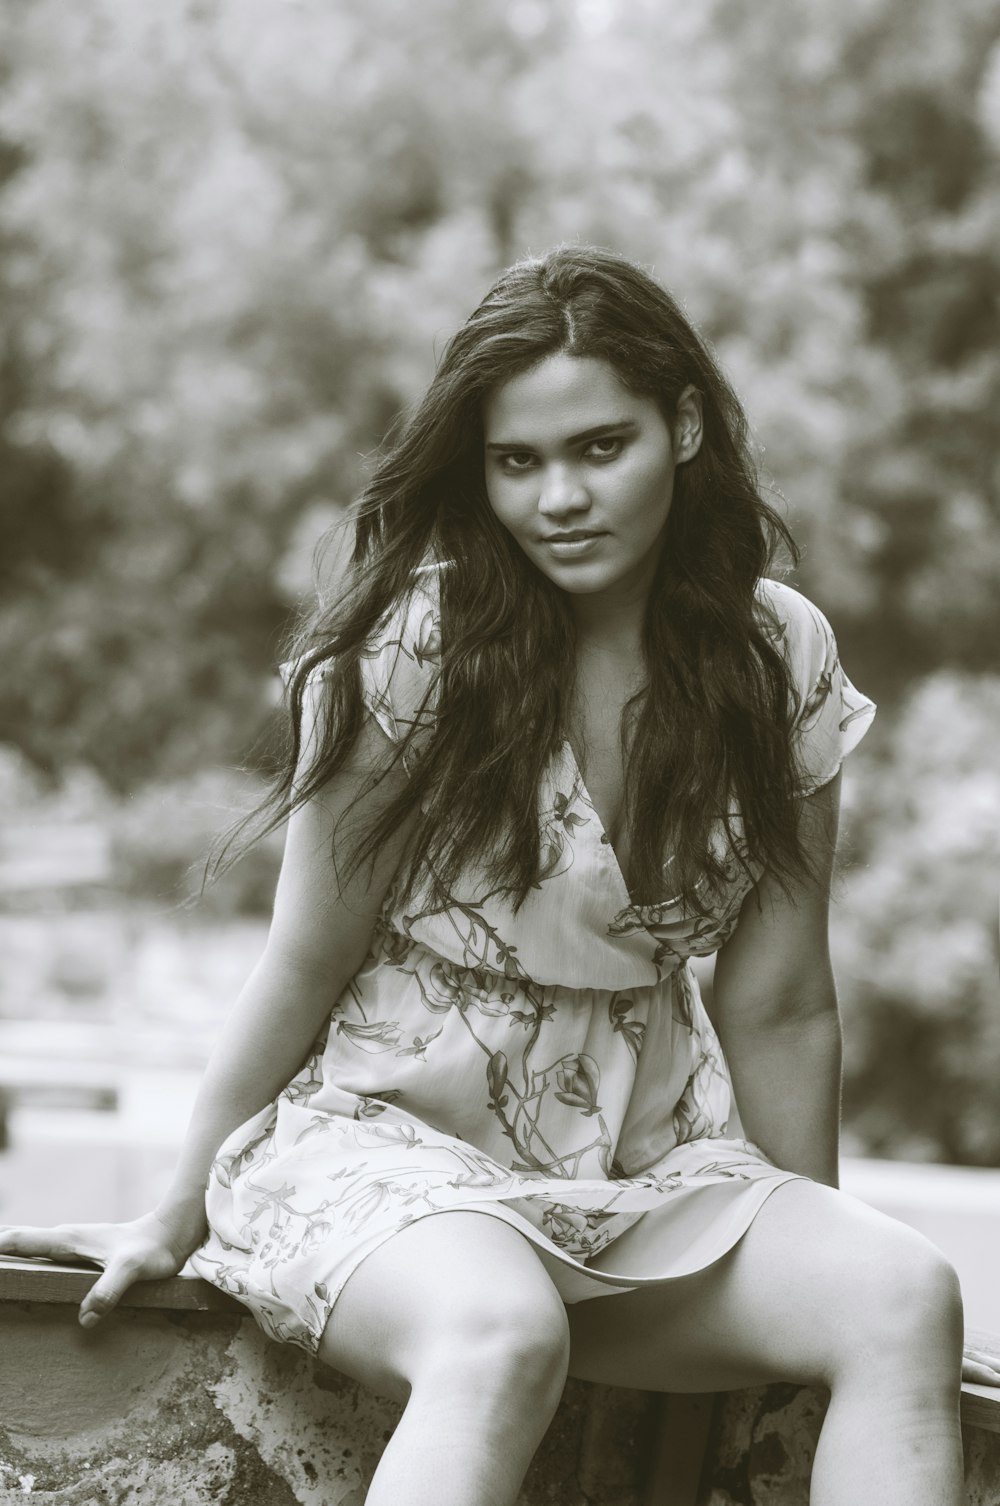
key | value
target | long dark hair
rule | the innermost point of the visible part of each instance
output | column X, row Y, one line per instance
column 709, row 732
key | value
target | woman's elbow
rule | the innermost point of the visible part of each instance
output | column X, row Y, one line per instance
column 785, row 1005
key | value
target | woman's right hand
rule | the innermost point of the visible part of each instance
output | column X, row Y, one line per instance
column 144, row 1249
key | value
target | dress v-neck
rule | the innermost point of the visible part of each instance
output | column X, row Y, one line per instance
column 579, row 785
column 605, row 841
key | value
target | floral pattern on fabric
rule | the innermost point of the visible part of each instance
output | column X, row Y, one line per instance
column 555, row 1067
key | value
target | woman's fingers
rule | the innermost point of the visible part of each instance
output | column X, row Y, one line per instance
column 981, row 1368
column 71, row 1243
column 129, row 1252
column 108, row 1290
column 63, row 1242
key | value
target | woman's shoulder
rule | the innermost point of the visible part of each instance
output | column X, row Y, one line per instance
column 785, row 604
column 832, row 714
column 401, row 661
column 798, row 629
column 408, row 629
column 411, row 626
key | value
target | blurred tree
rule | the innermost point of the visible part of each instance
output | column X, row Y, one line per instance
column 929, row 271
column 707, row 140
column 819, row 185
column 222, row 303
column 234, row 236
column 917, row 933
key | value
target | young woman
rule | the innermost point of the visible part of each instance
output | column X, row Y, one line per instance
column 469, row 1127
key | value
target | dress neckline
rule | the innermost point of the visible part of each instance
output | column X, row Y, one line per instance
column 605, row 842
column 603, row 837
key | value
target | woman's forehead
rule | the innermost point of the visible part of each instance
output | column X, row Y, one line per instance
column 558, row 398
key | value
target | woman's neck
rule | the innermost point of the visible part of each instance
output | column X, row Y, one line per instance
column 610, row 628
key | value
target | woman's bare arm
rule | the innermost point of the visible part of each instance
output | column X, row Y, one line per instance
column 319, row 935
column 775, row 1009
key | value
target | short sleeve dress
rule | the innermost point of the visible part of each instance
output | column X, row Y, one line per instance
column 554, row 1068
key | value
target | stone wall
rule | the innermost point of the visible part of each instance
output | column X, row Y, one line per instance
column 761, row 1446
column 179, row 1398
column 159, row 1407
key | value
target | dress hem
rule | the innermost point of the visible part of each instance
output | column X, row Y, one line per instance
column 574, row 1281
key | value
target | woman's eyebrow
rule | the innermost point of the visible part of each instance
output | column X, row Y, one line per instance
column 617, row 426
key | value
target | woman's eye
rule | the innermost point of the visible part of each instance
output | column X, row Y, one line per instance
column 606, row 448
column 516, row 460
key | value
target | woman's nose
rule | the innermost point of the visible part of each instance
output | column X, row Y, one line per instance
column 562, row 492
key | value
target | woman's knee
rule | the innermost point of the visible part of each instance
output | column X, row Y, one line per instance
column 906, row 1303
column 459, row 1301
column 504, row 1336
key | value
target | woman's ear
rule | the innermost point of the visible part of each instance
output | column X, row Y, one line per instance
column 688, row 425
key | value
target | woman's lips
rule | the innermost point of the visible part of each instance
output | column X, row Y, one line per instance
column 569, row 545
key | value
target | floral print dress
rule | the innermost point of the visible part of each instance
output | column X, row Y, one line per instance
column 555, row 1069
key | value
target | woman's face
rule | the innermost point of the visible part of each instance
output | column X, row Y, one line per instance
column 580, row 471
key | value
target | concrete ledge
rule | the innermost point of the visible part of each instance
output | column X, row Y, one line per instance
column 47, row 1281
column 981, row 1404
column 179, row 1397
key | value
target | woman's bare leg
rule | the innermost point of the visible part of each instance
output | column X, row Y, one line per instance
column 456, row 1316
column 821, row 1290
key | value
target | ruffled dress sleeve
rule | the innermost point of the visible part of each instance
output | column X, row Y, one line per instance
column 399, row 669
column 400, row 666
column 832, row 715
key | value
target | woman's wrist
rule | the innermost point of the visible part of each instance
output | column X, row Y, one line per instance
column 183, row 1219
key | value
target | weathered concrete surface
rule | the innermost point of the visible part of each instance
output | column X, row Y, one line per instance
column 160, row 1407
column 762, row 1442
column 761, row 1446
column 123, row 1414
column 153, row 1408
column 982, row 1467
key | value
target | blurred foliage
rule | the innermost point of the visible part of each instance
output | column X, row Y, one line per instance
column 232, row 237
column 916, row 935
column 160, row 839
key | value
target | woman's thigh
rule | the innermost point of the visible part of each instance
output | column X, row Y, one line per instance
column 447, row 1290
column 818, row 1281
